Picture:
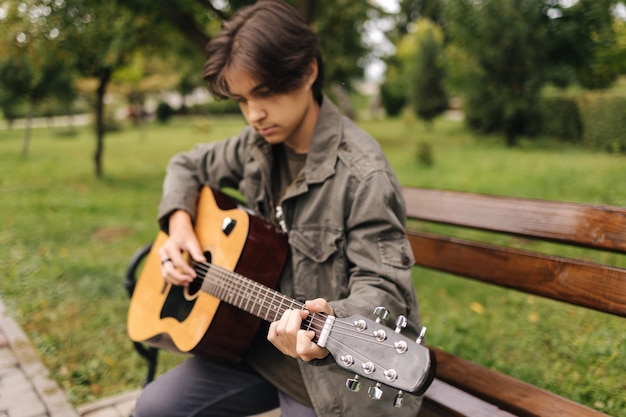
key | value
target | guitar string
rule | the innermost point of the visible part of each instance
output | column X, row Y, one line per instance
column 311, row 323
column 232, row 290
column 258, row 291
column 404, row 380
column 334, row 343
column 261, row 292
column 228, row 278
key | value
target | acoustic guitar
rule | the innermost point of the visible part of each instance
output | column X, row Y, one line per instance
column 219, row 313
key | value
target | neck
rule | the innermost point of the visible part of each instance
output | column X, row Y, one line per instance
column 301, row 139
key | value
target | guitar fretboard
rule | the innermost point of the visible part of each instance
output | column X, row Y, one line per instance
column 252, row 297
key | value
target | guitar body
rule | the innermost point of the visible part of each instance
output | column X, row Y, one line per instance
column 189, row 320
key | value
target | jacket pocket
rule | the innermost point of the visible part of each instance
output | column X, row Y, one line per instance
column 395, row 251
column 319, row 265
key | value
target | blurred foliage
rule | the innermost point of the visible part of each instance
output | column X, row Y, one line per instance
column 603, row 120
column 500, row 54
column 427, row 92
column 561, row 119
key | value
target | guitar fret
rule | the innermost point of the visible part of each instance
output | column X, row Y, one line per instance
column 309, row 321
column 269, row 301
column 250, row 296
column 256, row 298
column 259, row 300
column 278, row 309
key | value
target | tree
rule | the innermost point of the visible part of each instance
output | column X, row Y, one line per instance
column 341, row 34
column 31, row 69
column 619, row 27
column 428, row 95
column 102, row 37
column 504, row 38
column 99, row 38
column 393, row 93
column 394, row 89
column 582, row 42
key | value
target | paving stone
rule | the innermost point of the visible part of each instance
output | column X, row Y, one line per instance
column 26, row 390
column 26, row 405
column 7, row 358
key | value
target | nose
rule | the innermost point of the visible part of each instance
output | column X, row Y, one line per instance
column 256, row 111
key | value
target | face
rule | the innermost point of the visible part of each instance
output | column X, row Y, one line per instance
column 287, row 118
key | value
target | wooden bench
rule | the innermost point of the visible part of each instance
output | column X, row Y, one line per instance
column 464, row 388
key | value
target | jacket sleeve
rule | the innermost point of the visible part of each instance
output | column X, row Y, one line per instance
column 218, row 164
column 378, row 252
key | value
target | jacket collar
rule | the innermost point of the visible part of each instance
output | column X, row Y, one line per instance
column 322, row 155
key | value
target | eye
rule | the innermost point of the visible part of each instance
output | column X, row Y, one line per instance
column 266, row 92
column 263, row 92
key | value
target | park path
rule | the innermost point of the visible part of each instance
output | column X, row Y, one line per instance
column 26, row 389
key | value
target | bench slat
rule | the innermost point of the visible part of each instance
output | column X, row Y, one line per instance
column 586, row 284
column 518, row 397
column 587, row 225
column 442, row 399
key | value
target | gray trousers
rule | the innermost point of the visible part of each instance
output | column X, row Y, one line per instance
column 202, row 388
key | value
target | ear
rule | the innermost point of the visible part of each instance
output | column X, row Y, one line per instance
column 312, row 73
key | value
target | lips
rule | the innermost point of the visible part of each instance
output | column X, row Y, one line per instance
column 266, row 131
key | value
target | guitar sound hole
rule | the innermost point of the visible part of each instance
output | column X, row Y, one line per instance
column 196, row 284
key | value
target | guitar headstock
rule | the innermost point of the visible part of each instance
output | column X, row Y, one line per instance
column 374, row 351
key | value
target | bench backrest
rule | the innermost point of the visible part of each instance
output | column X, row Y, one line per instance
column 585, row 282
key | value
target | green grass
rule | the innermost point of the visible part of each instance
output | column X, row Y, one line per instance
column 66, row 239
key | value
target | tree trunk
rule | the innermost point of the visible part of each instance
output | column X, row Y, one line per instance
column 343, row 101
column 306, row 9
column 28, row 129
column 105, row 77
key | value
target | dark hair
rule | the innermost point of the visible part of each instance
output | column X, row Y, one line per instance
column 270, row 41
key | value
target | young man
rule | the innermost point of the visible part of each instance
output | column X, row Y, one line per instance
column 303, row 166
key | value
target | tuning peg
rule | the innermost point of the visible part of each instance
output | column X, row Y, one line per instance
column 391, row 374
column 354, row 384
column 375, row 393
column 399, row 400
column 380, row 335
column 381, row 313
column 401, row 323
column 347, row 360
column 420, row 338
column 360, row 325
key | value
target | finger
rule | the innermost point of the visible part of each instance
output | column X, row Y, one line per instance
column 172, row 273
column 181, row 265
column 195, row 251
column 172, row 253
column 271, row 333
column 319, row 305
column 174, row 276
column 282, row 341
column 308, row 350
column 294, row 322
column 280, row 326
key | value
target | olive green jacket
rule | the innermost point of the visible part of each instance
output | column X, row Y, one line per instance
column 345, row 217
